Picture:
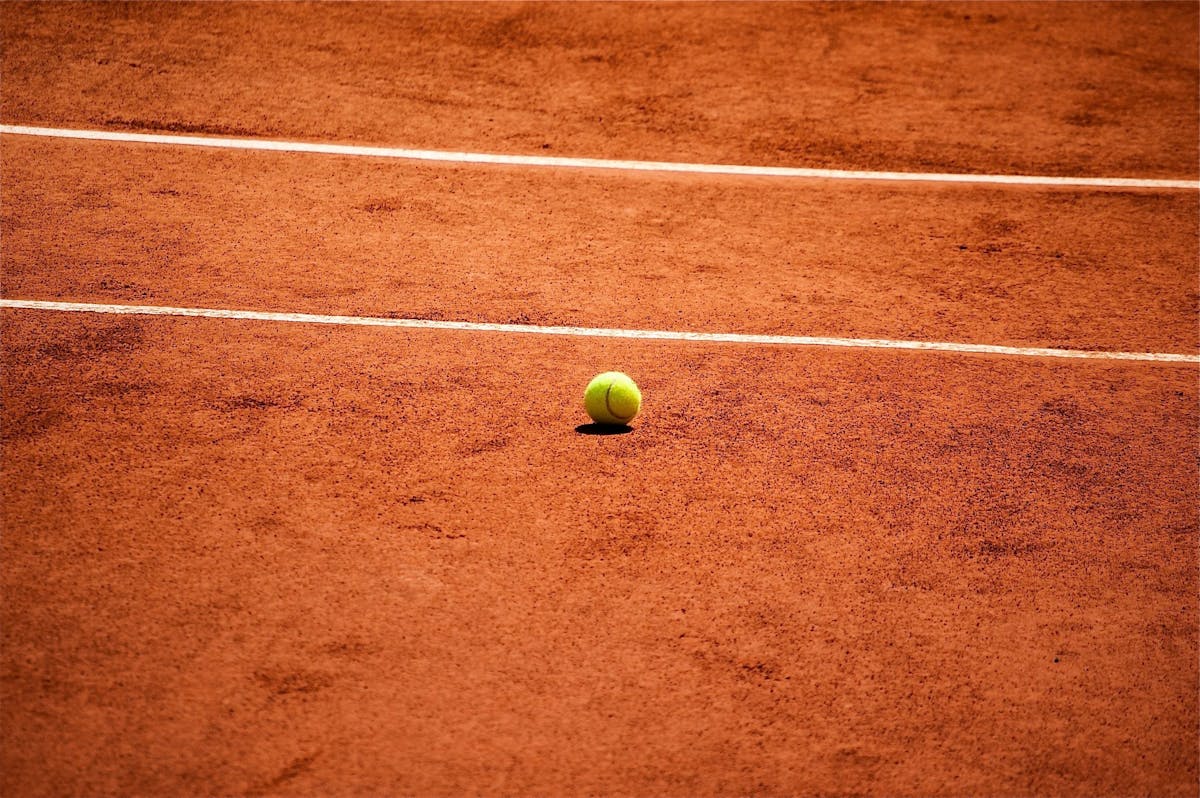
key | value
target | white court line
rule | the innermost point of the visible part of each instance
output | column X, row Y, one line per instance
column 590, row 163
column 596, row 332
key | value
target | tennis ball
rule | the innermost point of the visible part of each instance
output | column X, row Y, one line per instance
column 612, row 398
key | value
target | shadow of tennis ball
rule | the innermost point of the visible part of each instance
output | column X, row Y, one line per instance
column 603, row 429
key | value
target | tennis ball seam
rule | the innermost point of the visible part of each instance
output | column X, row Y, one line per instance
column 612, row 412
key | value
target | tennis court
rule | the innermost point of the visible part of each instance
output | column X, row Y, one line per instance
column 298, row 305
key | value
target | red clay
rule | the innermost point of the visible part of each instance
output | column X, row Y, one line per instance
column 244, row 558
column 1056, row 88
column 1108, row 270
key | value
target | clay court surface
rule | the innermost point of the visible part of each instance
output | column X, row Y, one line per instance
column 266, row 557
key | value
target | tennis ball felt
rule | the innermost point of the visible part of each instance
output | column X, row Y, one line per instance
column 612, row 398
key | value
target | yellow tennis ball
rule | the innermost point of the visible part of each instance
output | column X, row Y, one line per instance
column 612, row 398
